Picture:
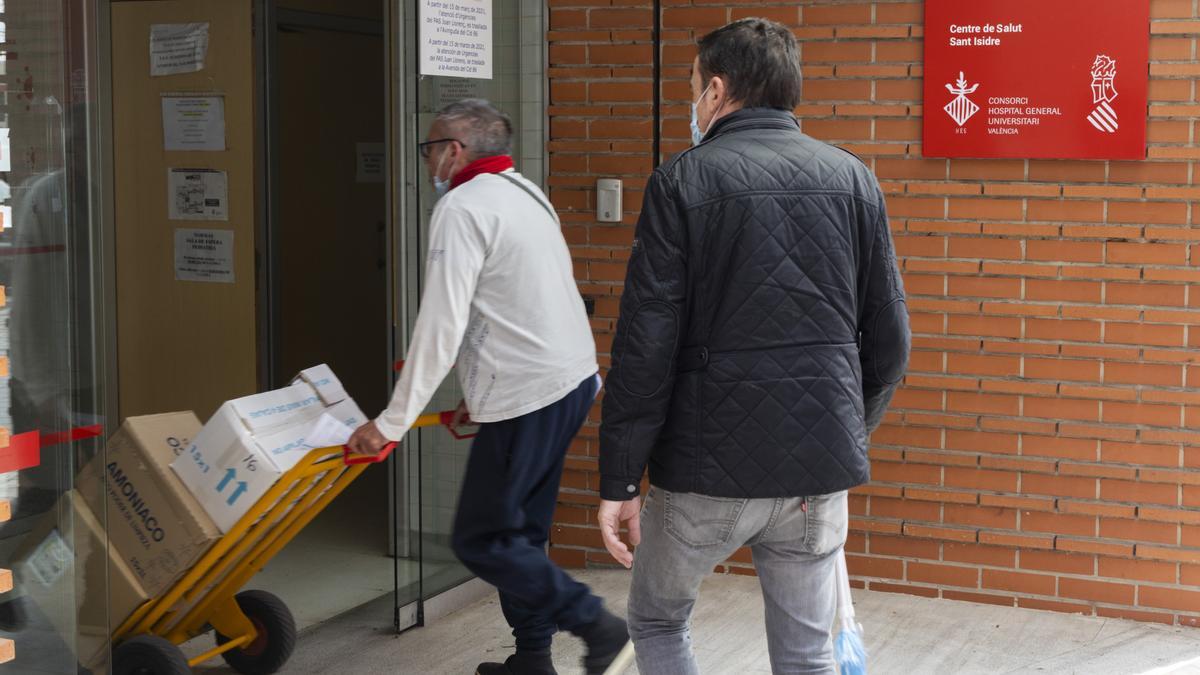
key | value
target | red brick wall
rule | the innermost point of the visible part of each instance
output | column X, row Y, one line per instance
column 1045, row 450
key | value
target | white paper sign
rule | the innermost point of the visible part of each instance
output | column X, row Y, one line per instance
column 178, row 48
column 204, row 255
column 5, row 151
column 371, row 157
column 448, row 90
column 456, row 38
column 197, row 194
column 193, row 122
column 5, row 217
column 50, row 560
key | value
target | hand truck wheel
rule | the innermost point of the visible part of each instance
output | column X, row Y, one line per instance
column 276, row 635
column 149, row 655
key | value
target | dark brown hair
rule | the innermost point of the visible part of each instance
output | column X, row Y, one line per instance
column 759, row 61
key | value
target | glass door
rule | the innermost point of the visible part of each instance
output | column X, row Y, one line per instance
column 55, row 592
column 437, row 460
column 434, row 459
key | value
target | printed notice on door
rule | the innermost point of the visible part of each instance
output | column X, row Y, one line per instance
column 198, row 194
column 204, row 255
column 193, row 122
column 371, row 159
column 456, row 38
column 178, row 48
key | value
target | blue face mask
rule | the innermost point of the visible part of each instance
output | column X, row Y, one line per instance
column 697, row 134
column 441, row 186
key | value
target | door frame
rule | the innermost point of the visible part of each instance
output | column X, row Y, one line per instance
column 397, row 27
column 399, row 90
column 268, row 19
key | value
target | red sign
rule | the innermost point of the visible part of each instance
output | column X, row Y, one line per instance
column 1036, row 78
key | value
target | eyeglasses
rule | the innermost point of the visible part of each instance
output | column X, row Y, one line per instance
column 427, row 147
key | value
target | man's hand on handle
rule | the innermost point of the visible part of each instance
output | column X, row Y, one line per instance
column 462, row 416
column 367, row 440
column 612, row 515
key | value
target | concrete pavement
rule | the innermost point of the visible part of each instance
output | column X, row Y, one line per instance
column 904, row 635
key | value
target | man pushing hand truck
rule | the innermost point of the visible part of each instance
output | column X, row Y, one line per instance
column 500, row 301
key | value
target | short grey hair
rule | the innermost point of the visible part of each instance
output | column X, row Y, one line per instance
column 480, row 126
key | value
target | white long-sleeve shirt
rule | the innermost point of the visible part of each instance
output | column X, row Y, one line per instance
column 500, row 304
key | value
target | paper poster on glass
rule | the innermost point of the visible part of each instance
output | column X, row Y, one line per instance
column 447, row 90
column 5, row 151
column 456, row 38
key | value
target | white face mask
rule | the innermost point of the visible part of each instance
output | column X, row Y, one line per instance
column 697, row 134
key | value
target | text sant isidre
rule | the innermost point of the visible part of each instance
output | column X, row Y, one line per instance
column 986, row 35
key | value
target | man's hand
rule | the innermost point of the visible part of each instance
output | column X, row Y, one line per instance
column 612, row 514
column 367, row 440
column 461, row 417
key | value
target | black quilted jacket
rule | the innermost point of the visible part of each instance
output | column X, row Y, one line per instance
column 763, row 328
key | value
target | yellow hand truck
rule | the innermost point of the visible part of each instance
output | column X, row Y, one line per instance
column 255, row 632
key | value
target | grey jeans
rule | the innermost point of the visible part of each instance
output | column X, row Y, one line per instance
column 794, row 544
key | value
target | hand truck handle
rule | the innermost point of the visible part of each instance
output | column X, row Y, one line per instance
column 351, row 457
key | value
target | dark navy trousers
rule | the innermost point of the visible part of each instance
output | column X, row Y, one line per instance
column 505, row 513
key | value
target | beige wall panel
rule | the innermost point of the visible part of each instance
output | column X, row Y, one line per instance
column 182, row 345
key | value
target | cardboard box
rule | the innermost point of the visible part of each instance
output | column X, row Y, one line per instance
column 251, row 442
column 156, row 525
column 224, row 468
column 293, row 404
column 332, row 427
column 347, row 412
column 80, row 583
column 322, row 379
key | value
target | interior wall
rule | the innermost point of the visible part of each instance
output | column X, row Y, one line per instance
column 182, row 345
column 332, row 223
column 359, row 9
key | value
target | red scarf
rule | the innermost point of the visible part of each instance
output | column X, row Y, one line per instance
column 496, row 164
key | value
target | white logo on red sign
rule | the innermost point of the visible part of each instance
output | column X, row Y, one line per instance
column 1104, row 91
column 961, row 108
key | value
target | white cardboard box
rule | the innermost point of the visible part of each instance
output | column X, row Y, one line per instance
column 328, row 386
column 347, row 412
column 332, row 427
column 225, row 469
column 294, row 404
column 252, row 441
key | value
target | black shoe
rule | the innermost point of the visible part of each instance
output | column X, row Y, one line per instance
column 605, row 638
column 521, row 663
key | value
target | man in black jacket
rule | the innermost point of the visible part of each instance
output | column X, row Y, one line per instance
column 763, row 331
